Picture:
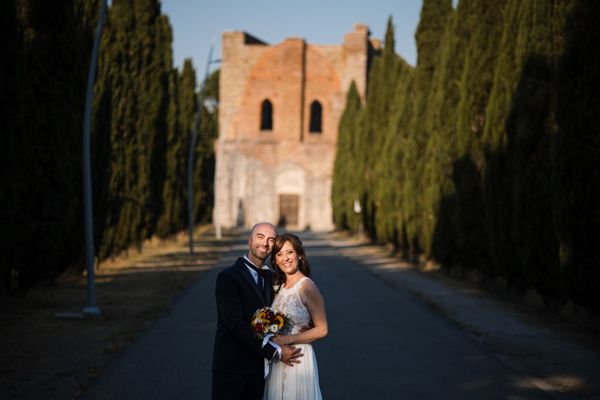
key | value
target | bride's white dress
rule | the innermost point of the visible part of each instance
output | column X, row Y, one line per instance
column 302, row 380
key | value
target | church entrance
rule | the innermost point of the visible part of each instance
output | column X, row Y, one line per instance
column 288, row 210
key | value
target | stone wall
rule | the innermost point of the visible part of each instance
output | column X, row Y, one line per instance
column 256, row 167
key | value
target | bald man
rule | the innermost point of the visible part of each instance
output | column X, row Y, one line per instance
column 239, row 355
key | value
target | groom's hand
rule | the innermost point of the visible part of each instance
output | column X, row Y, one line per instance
column 290, row 355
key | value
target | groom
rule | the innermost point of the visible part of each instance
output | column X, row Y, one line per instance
column 241, row 289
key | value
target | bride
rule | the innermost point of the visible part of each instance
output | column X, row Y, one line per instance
column 300, row 299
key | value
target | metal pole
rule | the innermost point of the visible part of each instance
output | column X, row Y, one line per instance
column 192, row 148
column 91, row 308
column 218, row 174
column 357, row 211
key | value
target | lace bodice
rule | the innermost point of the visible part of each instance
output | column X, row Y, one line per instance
column 288, row 301
column 301, row 381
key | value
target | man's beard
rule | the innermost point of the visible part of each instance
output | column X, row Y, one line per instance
column 260, row 256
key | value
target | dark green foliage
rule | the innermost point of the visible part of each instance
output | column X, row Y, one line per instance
column 187, row 99
column 438, row 188
column 576, row 155
column 380, row 106
column 149, row 131
column 205, row 158
column 517, row 179
column 117, row 74
column 475, row 85
column 387, row 180
column 346, row 173
column 445, row 219
column 485, row 155
column 429, row 37
column 45, row 53
column 173, row 215
column 529, row 154
column 434, row 17
column 497, row 197
column 140, row 134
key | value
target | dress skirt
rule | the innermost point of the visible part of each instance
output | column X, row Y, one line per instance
column 300, row 382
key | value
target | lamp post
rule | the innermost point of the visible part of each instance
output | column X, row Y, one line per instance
column 194, row 134
column 91, row 309
column 357, row 210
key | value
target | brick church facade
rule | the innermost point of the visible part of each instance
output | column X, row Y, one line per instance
column 279, row 111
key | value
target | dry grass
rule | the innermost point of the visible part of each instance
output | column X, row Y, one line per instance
column 44, row 357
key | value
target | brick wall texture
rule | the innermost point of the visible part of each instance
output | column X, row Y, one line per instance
column 258, row 170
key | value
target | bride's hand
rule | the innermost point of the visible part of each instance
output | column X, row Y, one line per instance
column 279, row 340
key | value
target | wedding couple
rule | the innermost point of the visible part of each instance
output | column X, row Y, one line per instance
column 240, row 359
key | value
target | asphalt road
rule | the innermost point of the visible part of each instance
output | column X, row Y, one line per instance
column 382, row 344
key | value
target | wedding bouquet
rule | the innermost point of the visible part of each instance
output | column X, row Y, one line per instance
column 268, row 320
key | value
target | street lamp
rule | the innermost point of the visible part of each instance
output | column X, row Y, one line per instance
column 357, row 210
column 192, row 148
column 91, row 309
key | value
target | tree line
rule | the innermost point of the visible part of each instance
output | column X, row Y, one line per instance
column 484, row 156
column 144, row 111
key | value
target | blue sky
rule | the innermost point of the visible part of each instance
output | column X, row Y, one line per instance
column 196, row 23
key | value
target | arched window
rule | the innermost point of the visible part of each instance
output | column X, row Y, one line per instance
column 266, row 116
column 316, row 117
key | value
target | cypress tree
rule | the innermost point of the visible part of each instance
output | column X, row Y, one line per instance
column 43, row 78
column 43, row 67
column 42, row 82
column 460, row 32
column 173, row 216
column 152, row 44
column 204, row 170
column 378, row 105
column 440, row 197
column 357, row 168
column 382, row 104
column 576, row 154
column 495, row 142
column 518, row 139
column 388, row 167
column 475, row 83
column 133, row 93
column 343, row 192
column 529, row 130
column 187, row 101
column 11, row 44
column 477, row 76
column 438, row 192
column 116, row 92
column 433, row 19
column 497, row 197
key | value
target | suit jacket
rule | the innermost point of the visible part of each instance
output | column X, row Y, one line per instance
column 237, row 350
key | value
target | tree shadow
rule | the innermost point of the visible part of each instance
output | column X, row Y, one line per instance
column 529, row 214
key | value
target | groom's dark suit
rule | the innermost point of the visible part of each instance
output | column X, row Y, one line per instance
column 238, row 356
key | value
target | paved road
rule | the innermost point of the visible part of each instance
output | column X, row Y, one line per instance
column 383, row 344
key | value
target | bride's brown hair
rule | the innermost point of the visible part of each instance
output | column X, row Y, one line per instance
column 303, row 264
